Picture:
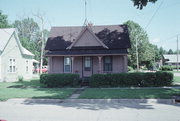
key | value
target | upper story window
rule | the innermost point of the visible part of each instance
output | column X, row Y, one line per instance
column 12, row 66
column 87, row 63
column 108, row 63
column 67, row 64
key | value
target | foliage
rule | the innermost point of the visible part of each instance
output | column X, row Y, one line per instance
column 130, row 68
column 60, row 80
column 3, row 20
column 166, row 68
column 170, row 51
column 142, row 3
column 147, row 53
column 132, row 79
column 20, row 78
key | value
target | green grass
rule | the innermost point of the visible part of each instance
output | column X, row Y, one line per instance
column 31, row 89
column 177, row 79
column 51, row 93
column 94, row 93
column 27, row 83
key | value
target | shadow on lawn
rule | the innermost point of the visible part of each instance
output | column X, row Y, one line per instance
column 101, row 104
column 34, row 83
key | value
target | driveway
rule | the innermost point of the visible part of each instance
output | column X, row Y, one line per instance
column 23, row 110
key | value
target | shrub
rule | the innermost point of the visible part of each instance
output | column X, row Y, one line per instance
column 166, row 68
column 130, row 68
column 132, row 79
column 20, row 78
column 60, row 80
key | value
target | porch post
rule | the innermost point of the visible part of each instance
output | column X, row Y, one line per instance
column 72, row 64
column 100, row 68
column 49, row 64
column 125, row 63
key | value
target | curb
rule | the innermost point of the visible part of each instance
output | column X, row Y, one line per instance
column 57, row 101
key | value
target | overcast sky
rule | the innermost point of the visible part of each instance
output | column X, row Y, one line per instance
column 161, row 29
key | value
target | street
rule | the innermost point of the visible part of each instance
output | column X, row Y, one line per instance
column 22, row 110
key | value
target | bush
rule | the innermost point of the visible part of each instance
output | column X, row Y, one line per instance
column 20, row 78
column 132, row 79
column 130, row 68
column 60, row 80
column 166, row 68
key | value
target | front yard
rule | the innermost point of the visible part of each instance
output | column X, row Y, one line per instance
column 129, row 93
column 34, row 89
column 31, row 89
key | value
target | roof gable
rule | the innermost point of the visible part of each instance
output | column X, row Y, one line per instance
column 87, row 39
column 110, row 36
column 5, row 37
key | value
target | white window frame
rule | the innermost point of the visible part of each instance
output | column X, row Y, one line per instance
column 27, row 66
column 67, row 64
column 12, row 65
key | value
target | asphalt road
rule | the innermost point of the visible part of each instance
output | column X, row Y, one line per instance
column 22, row 110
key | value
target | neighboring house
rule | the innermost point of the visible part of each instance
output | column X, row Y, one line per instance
column 88, row 50
column 171, row 59
column 15, row 60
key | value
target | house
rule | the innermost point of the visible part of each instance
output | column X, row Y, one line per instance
column 88, row 50
column 15, row 60
column 171, row 60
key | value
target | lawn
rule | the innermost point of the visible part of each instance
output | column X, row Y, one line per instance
column 31, row 89
column 128, row 93
column 177, row 79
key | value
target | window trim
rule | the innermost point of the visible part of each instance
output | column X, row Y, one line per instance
column 67, row 64
column 111, row 64
column 85, row 60
column 27, row 66
column 12, row 65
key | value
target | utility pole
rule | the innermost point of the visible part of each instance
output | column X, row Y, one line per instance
column 137, row 59
column 177, row 55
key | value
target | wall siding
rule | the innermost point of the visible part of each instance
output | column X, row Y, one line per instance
column 12, row 51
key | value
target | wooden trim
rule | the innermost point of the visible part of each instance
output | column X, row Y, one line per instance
column 88, row 55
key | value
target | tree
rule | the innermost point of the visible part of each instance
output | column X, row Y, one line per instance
column 162, row 51
column 28, row 32
column 146, row 52
column 170, row 51
column 3, row 20
column 142, row 3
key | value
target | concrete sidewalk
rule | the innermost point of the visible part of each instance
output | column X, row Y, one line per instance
column 109, row 110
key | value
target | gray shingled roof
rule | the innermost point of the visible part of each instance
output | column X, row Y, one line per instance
column 115, row 37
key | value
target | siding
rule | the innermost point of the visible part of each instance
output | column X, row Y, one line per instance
column 12, row 51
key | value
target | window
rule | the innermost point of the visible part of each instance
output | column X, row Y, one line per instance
column 107, row 63
column 67, row 64
column 27, row 66
column 87, row 63
column 12, row 67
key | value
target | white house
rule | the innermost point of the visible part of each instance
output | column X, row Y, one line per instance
column 171, row 59
column 15, row 60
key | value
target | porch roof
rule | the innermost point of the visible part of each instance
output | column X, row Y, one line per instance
column 87, row 52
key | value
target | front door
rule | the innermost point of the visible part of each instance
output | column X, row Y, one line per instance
column 87, row 66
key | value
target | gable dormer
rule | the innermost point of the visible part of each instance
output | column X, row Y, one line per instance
column 87, row 38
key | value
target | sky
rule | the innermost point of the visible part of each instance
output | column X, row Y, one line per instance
column 161, row 20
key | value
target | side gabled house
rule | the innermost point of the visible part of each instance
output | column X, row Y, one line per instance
column 15, row 60
column 88, row 50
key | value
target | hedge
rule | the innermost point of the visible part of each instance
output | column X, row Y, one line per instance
column 132, row 79
column 60, row 80
column 166, row 68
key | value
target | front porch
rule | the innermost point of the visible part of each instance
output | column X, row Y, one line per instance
column 87, row 65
